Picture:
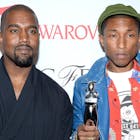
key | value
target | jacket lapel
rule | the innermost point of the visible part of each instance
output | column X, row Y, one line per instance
column 13, row 118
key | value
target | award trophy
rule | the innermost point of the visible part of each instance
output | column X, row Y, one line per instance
column 91, row 104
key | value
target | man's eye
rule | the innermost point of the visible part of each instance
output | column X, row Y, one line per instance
column 112, row 35
column 13, row 30
column 33, row 31
column 131, row 35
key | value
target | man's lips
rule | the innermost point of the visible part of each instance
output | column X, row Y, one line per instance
column 121, row 55
column 23, row 49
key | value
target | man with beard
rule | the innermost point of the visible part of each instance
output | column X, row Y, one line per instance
column 32, row 105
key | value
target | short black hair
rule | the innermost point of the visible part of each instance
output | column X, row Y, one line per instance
column 12, row 8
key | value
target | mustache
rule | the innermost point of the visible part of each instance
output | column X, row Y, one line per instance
column 26, row 46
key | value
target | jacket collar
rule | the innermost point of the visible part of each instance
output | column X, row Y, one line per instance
column 98, row 69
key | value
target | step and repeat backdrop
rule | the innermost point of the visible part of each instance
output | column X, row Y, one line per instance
column 68, row 35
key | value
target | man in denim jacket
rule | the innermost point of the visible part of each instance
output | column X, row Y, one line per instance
column 116, row 77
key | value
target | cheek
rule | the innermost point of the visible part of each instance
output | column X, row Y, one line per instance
column 34, row 43
column 9, row 45
column 10, row 41
column 110, row 46
column 133, row 51
column 34, row 40
column 133, row 46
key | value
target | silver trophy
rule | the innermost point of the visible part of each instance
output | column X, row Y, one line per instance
column 91, row 99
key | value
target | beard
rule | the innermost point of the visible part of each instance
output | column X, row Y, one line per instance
column 23, row 62
column 23, row 58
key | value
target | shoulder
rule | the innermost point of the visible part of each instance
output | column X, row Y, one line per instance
column 138, row 58
column 94, row 72
column 100, row 63
column 47, row 83
column 52, row 93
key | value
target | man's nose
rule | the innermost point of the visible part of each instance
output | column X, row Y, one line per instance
column 122, row 42
column 24, row 37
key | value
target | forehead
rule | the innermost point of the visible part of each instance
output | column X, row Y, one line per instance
column 119, row 18
column 20, row 16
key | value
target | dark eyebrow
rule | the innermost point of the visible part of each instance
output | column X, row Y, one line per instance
column 112, row 30
column 33, row 26
column 12, row 25
column 16, row 25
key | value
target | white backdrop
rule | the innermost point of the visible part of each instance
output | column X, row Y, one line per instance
column 69, row 38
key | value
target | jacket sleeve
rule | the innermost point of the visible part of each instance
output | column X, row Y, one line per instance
column 78, row 107
column 67, row 116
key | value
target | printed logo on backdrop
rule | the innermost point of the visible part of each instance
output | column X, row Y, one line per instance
column 68, row 73
column 65, row 32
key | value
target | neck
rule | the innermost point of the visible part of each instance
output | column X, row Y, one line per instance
column 18, row 76
column 113, row 68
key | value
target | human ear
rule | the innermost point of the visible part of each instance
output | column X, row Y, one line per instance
column 1, row 48
column 101, row 41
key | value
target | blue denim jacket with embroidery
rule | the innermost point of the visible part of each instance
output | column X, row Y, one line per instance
column 97, row 74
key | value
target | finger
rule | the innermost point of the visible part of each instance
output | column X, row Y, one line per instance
column 94, row 138
column 89, row 122
column 87, row 138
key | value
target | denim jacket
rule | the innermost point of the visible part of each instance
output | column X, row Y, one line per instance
column 97, row 74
